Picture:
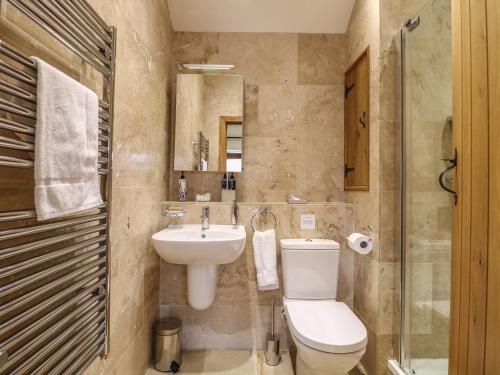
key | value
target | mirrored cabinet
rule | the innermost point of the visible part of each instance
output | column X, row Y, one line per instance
column 209, row 123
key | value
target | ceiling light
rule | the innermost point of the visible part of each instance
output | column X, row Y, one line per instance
column 208, row 66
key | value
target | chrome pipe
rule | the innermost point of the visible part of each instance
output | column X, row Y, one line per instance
column 15, row 144
column 60, row 17
column 8, row 161
column 93, row 16
column 23, row 249
column 109, row 93
column 10, row 52
column 9, row 234
column 28, row 145
column 68, row 352
column 75, row 24
column 16, row 127
column 18, row 92
column 16, row 215
column 51, row 303
column 63, row 37
column 20, row 75
column 23, row 335
column 98, row 36
column 31, row 79
column 28, row 298
column 88, row 315
column 17, row 109
column 84, row 361
column 32, row 280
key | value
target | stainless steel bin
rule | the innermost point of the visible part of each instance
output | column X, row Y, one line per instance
column 168, row 344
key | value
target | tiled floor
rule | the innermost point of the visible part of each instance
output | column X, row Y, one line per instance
column 229, row 362
column 436, row 366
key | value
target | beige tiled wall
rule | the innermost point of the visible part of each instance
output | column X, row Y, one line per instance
column 372, row 275
column 240, row 315
column 141, row 129
column 294, row 113
column 378, row 23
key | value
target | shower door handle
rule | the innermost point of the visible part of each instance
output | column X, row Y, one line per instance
column 443, row 174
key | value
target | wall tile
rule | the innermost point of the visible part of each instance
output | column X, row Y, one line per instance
column 321, row 59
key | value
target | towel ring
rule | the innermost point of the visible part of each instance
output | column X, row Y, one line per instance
column 263, row 212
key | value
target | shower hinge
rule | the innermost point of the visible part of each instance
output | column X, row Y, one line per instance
column 412, row 23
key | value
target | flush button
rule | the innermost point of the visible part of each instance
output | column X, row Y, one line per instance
column 308, row 221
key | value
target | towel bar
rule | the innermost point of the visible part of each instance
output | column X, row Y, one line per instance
column 54, row 276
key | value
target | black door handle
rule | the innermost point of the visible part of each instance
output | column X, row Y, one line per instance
column 362, row 120
column 453, row 164
column 347, row 170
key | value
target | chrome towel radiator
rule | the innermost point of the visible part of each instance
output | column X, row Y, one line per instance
column 54, row 275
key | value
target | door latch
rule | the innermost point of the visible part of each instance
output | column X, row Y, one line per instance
column 347, row 170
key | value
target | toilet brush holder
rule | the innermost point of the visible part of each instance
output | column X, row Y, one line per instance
column 273, row 356
column 273, row 351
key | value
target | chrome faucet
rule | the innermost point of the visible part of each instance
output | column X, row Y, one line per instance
column 234, row 213
column 205, row 211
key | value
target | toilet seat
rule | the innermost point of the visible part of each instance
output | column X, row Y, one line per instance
column 325, row 325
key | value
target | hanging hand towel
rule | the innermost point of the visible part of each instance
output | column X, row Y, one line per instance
column 264, row 253
column 66, row 174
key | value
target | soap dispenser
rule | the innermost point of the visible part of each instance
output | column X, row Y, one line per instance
column 182, row 188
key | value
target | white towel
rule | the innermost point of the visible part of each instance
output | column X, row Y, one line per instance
column 66, row 175
column 264, row 253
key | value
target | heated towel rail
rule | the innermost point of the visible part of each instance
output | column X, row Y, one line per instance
column 54, row 275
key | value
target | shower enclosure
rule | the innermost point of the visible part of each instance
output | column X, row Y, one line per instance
column 427, row 202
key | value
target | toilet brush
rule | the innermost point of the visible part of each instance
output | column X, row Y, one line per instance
column 272, row 344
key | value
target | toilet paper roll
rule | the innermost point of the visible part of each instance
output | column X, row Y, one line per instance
column 360, row 243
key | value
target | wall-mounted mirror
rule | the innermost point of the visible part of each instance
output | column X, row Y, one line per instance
column 209, row 123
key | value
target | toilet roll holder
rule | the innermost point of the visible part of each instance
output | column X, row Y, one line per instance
column 368, row 231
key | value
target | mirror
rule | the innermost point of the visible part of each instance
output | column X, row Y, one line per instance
column 209, row 123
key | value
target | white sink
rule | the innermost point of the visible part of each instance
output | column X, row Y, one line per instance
column 201, row 251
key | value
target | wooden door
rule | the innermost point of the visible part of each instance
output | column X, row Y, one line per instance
column 475, row 314
column 224, row 121
column 357, row 125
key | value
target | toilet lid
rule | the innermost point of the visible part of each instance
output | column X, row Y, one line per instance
column 326, row 325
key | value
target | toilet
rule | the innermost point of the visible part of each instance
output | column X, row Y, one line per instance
column 330, row 338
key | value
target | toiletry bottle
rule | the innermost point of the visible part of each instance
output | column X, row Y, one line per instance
column 232, row 183
column 224, row 182
column 182, row 188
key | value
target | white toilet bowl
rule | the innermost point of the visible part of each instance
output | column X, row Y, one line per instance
column 330, row 339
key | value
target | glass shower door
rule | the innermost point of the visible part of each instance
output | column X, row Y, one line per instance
column 427, row 207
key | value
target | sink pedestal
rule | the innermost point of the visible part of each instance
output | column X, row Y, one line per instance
column 202, row 250
column 202, row 282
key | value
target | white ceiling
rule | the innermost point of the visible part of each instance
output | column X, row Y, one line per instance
column 284, row 16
